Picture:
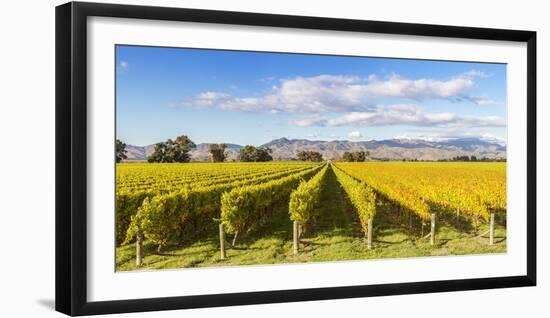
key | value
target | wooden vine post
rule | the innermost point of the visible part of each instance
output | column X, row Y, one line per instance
column 369, row 233
column 139, row 250
column 457, row 216
column 492, row 229
column 222, row 242
column 432, row 233
column 234, row 242
column 295, row 245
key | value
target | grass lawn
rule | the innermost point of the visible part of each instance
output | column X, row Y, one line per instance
column 336, row 236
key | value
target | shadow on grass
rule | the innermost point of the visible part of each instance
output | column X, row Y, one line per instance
column 335, row 215
column 390, row 242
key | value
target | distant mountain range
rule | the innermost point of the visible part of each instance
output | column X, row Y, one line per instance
column 391, row 149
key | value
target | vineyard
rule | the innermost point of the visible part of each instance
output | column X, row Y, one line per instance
column 215, row 214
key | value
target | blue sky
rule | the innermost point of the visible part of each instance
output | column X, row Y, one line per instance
column 216, row 96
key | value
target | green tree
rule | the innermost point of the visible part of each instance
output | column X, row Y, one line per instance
column 355, row 156
column 263, row 154
column 347, row 156
column 252, row 154
column 309, row 156
column 302, row 155
column 183, row 145
column 247, row 153
column 315, row 156
column 120, row 151
column 217, row 152
column 159, row 154
column 359, row 156
column 173, row 150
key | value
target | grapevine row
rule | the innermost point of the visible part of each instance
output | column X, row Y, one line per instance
column 475, row 192
column 128, row 202
column 305, row 198
column 143, row 176
column 361, row 196
column 245, row 207
column 162, row 217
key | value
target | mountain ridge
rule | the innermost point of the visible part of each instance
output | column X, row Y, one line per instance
column 386, row 149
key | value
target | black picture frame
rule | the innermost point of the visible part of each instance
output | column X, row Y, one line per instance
column 71, row 157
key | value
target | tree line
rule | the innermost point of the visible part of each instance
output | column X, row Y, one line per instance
column 355, row 156
column 309, row 156
column 178, row 150
column 473, row 159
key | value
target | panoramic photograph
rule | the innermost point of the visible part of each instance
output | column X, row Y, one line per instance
column 233, row 158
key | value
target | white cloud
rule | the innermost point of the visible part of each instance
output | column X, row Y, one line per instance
column 123, row 65
column 339, row 93
column 408, row 115
column 432, row 138
column 310, row 121
column 475, row 73
column 450, row 134
column 481, row 100
column 267, row 79
column 396, row 86
column 355, row 134
column 493, row 138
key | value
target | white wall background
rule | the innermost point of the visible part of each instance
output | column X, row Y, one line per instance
column 27, row 181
